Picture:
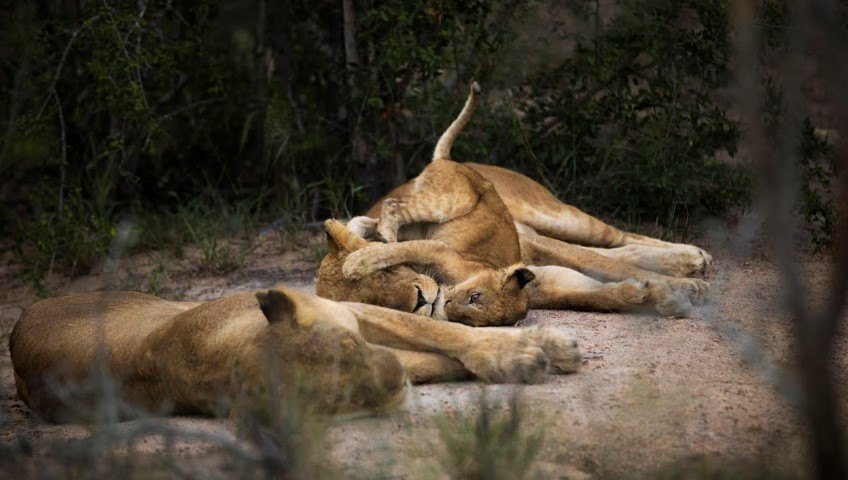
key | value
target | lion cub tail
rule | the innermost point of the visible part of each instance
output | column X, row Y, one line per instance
column 443, row 147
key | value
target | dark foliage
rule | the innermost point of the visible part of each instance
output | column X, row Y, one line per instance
column 126, row 112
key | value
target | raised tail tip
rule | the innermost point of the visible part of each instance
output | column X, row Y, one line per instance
column 476, row 88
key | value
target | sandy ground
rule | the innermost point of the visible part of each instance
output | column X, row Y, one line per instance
column 652, row 391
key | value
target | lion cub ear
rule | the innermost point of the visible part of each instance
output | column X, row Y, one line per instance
column 520, row 275
column 277, row 307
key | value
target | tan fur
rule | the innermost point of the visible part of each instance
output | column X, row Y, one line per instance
column 532, row 205
column 443, row 147
column 457, row 224
column 457, row 229
column 183, row 357
column 535, row 210
column 399, row 287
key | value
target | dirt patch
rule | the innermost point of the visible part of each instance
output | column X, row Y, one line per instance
column 652, row 391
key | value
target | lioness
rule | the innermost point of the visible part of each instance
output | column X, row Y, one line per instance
column 193, row 357
column 456, row 225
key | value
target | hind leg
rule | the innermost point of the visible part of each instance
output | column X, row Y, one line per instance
column 665, row 261
column 442, row 192
column 555, row 219
column 363, row 227
column 542, row 251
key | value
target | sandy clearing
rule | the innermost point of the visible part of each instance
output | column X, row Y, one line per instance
column 651, row 391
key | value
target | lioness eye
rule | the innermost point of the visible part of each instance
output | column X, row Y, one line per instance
column 474, row 298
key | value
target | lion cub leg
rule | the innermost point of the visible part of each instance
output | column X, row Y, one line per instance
column 561, row 348
column 564, row 288
column 691, row 261
column 441, row 193
column 363, row 227
column 396, row 214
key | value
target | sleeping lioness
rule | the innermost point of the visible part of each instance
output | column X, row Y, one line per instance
column 453, row 224
column 204, row 358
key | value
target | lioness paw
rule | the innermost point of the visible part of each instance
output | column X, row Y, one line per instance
column 562, row 349
column 689, row 261
column 694, row 289
column 669, row 302
column 633, row 292
column 507, row 358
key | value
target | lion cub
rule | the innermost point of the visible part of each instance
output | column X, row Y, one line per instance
column 453, row 223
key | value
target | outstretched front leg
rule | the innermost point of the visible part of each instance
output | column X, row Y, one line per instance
column 563, row 288
column 429, row 367
column 496, row 355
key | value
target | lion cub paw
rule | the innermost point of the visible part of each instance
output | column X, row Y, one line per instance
column 389, row 225
column 507, row 358
column 562, row 349
column 363, row 227
column 359, row 264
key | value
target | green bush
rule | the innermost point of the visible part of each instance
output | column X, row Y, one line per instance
column 492, row 444
column 628, row 125
column 816, row 163
column 126, row 110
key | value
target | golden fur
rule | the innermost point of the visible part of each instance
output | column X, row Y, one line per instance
column 399, row 287
column 455, row 226
column 456, row 222
column 204, row 358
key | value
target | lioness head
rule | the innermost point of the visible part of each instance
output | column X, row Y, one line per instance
column 398, row 287
column 317, row 348
column 492, row 297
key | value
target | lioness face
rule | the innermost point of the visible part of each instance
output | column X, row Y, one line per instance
column 402, row 288
column 331, row 365
column 490, row 298
column 399, row 287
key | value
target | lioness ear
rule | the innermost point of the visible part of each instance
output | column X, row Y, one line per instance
column 340, row 238
column 332, row 246
column 522, row 276
column 277, row 307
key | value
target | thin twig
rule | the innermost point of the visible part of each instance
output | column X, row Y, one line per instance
column 62, row 170
column 15, row 104
column 123, row 43
column 64, row 57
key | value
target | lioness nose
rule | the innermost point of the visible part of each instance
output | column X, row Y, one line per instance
column 421, row 300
